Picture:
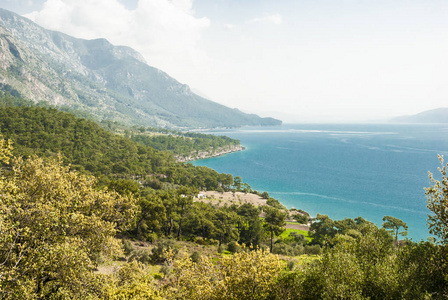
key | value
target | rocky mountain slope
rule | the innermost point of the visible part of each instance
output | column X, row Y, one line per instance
column 108, row 82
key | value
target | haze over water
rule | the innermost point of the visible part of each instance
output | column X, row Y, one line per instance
column 342, row 170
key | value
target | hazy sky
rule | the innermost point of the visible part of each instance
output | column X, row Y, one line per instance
column 302, row 60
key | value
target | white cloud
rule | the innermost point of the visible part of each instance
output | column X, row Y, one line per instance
column 229, row 26
column 166, row 32
column 274, row 19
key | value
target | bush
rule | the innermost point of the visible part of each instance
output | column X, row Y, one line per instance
column 289, row 250
column 165, row 270
column 302, row 219
column 157, row 255
column 143, row 256
column 275, row 203
column 233, row 247
column 298, row 238
column 313, row 250
column 195, row 257
column 290, row 264
column 128, row 248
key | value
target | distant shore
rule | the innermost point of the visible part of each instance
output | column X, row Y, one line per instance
column 209, row 154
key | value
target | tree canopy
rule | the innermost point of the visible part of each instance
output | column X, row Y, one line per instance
column 437, row 199
column 55, row 227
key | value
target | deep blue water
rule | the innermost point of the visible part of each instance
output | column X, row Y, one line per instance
column 342, row 170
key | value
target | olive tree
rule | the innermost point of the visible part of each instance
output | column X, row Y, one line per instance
column 437, row 199
column 55, row 226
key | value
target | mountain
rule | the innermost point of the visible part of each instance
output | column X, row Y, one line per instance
column 438, row 115
column 108, row 82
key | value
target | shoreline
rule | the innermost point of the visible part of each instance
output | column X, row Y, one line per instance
column 210, row 154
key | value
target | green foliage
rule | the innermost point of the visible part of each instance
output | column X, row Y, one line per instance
column 423, row 269
column 250, row 227
column 275, row 203
column 244, row 275
column 11, row 97
column 265, row 195
column 82, row 143
column 89, row 148
column 312, row 249
column 127, row 246
column 274, row 222
column 184, row 144
column 55, row 227
column 322, row 229
column 296, row 237
column 292, row 249
column 290, row 265
column 233, row 247
column 132, row 281
column 437, row 199
column 237, row 182
column 195, row 257
column 393, row 225
column 141, row 255
column 301, row 219
column 157, row 253
column 124, row 187
column 289, row 234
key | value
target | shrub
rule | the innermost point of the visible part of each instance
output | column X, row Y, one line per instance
column 128, row 248
column 290, row 264
column 313, row 249
column 298, row 238
column 157, row 255
column 233, row 247
column 195, row 257
column 143, row 256
column 302, row 219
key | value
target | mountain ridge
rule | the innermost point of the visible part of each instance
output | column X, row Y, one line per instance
column 109, row 82
column 437, row 115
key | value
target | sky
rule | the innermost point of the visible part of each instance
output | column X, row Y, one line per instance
column 297, row 60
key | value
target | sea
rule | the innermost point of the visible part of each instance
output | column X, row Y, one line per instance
column 341, row 170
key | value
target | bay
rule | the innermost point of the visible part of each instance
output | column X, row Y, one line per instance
column 343, row 170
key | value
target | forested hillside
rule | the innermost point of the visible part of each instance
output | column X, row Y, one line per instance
column 110, row 218
column 187, row 146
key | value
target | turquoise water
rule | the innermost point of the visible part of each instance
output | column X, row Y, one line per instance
column 341, row 170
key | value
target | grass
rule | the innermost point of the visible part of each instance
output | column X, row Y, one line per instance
column 306, row 259
column 285, row 234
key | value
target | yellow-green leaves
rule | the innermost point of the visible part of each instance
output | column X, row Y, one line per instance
column 5, row 150
column 244, row 275
column 437, row 199
column 55, row 227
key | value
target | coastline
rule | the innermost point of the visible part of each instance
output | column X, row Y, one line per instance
column 209, row 154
